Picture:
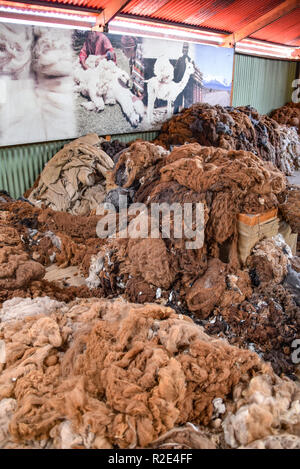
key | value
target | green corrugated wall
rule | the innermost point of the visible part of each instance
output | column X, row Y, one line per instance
column 20, row 165
column 265, row 84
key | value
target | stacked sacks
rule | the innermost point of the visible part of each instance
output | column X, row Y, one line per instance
column 115, row 374
column 74, row 179
column 288, row 115
column 239, row 128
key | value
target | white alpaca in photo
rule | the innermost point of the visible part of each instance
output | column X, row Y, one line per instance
column 89, row 84
column 36, row 74
column 162, row 86
column 104, row 83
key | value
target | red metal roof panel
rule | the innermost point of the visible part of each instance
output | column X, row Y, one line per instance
column 286, row 30
column 223, row 15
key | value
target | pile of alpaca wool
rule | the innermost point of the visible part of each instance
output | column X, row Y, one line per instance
column 290, row 207
column 113, row 147
column 225, row 183
column 288, row 115
column 241, row 128
column 17, row 269
column 160, row 269
column 268, row 320
column 53, row 242
column 74, row 179
column 104, row 374
column 208, row 280
column 28, row 247
column 276, row 143
column 135, row 164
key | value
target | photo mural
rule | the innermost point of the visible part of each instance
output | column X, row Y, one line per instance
column 58, row 84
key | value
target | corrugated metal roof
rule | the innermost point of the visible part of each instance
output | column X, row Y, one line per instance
column 225, row 15
column 93, row 4
column 285, row 30
column 222, row 15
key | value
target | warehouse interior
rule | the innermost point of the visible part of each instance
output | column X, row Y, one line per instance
column 149, row 224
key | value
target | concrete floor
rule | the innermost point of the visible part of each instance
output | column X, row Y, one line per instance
column 295, row 179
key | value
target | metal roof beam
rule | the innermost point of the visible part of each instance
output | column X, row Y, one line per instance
column 108, row 13
column 273, row 15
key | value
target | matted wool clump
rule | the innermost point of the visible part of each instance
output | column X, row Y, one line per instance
column 103, row 374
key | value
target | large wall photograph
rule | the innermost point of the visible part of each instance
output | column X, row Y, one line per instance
column 58, row 84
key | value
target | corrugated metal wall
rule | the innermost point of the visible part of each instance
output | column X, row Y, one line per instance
column 20, row 165
column 265, row 84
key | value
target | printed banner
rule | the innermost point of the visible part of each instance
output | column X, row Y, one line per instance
column 58, row 84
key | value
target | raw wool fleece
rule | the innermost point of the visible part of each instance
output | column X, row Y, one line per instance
column 217, row 287
column 221, row 168
column 239, row 128
column 74, row 179
column 284, row 441
column 288, row 114
column 27, row 246
column 113, row 373
column 133, row 162
column 17, row 269
column 19, row 308
column 226, row 183
column 158, row 269
column 236, row 180
column 113, row 147
column 50, row 237
column 101, row 374
column 188, row 436
column 269, row 406
column 268, row 322
column 269, row 261
column 37, row 75
column 290, row 207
